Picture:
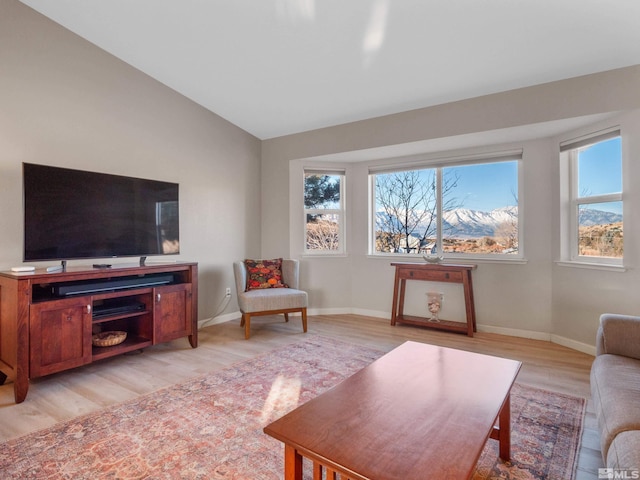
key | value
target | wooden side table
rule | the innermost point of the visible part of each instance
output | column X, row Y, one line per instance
column 434, row 273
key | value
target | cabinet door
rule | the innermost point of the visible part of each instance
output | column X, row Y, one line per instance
column 172, row 312
column 60, row 335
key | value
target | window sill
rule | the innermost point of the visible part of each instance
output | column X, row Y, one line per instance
column 451, row 260
column 324, row 255
column 592, row 266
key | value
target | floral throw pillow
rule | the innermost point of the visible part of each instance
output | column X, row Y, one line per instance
column 264, row 274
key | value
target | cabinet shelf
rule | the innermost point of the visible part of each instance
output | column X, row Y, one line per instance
column 131, row 343
column 121, row 316
column 447, row 325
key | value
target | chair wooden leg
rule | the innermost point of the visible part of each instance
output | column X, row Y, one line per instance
column 304, row 319
column 247, row 322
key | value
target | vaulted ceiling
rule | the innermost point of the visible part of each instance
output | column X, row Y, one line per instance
column 277, row 67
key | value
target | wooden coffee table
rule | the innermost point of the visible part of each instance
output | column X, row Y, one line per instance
column 420, row 411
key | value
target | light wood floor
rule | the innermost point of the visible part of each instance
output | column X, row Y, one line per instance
column 62, row 396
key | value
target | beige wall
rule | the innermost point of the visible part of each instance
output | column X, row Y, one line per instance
column 65, row 102
column 534, row 299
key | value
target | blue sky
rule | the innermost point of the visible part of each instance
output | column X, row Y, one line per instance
column 488, row 186
column 599, row 170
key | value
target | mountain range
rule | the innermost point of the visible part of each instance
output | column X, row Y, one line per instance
column 467, row 223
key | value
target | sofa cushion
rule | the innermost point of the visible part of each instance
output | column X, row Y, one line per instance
column 615, row 389
column 624, row 452
column 264, row 274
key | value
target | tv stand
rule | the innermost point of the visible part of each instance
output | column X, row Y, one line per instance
column 47, row 319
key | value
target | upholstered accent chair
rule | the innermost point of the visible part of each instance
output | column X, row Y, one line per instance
column 270, row 301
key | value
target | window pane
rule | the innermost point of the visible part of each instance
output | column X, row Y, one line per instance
column 405, row 211
column 600, row 232
column 480, row 208
column 600, row 168
column 321, row 191
column 322, row 232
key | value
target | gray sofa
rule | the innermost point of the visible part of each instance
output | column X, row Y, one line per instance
column 615, row 390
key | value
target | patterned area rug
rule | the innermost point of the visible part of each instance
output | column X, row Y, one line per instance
column 211, row 427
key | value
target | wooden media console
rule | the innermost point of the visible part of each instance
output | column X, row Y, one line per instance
column 47, row 319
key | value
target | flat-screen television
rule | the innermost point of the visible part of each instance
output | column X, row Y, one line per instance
column 75, row 214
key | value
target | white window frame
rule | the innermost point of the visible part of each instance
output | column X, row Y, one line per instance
column 572, row 200
column 439, row 164
column 340, row 212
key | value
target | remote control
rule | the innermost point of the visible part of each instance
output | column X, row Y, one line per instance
column 23, row 269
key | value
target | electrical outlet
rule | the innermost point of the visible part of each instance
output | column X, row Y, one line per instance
column 227, row 293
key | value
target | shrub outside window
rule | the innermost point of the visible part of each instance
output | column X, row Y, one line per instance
column 324, row 212
column 595, row 233
column 464, row 209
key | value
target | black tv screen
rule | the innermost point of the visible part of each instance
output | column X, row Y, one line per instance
column 74, row 214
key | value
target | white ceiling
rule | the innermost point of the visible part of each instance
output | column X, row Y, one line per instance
column 276, row 67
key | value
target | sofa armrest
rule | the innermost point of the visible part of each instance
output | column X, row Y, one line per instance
column 619, row 335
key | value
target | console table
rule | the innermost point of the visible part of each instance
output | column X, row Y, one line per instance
column 47, row 319
column 433, row 273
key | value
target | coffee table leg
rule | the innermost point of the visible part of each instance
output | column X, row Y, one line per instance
column 505, row 430
column 292, row 464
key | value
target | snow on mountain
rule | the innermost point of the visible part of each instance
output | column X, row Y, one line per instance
column 590, row 217
column 466, row 223
column 463, row 222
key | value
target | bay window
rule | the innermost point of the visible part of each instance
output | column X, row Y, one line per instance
column 324, row 212
column 462, row 207
column 593, row 203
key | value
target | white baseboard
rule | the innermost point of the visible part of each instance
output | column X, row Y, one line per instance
column 219, row 319
column 515, row 332
column 579, row 346
column 511, row 332
column 372, row 313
